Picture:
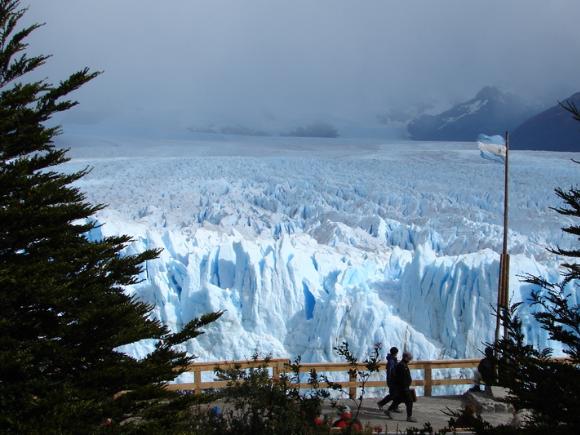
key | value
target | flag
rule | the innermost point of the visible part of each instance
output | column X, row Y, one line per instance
column 492, row 147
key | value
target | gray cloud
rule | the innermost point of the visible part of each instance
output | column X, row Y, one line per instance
column 178, row 63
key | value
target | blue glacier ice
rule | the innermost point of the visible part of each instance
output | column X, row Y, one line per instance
column 308, row 243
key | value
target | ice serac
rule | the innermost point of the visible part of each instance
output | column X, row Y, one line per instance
column 293, row 296
column 287, row 297
column 453, row 299
column 392, row 245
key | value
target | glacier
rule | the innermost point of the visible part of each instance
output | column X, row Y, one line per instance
column 306, row 243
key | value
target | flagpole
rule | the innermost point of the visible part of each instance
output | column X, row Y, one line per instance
column 506, row 257
column 504, row 261
column 499, row 300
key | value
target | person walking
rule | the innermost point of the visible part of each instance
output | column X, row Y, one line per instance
column 402, row 387
column 391, row 365
column 485, row 371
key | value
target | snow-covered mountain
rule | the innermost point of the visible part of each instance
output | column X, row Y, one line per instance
column 491, row 111
column 306, row 243
column 554, row 129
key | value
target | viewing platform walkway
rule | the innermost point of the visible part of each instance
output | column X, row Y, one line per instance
column 426, row 409
column 428, row 377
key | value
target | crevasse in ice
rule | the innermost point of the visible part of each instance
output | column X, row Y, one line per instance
column 308, row 244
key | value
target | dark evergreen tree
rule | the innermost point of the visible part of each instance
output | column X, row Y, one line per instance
column 548, row 389
column 63, row 311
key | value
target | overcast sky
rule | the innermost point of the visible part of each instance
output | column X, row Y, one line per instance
column 180, row 63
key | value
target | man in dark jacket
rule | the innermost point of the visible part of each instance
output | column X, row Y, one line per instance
column 486, row 371
column 391, row 365
column 402, row 386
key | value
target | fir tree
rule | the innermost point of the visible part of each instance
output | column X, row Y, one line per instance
column 63, row 311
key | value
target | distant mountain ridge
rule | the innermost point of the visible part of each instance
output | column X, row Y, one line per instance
column 551, row 130
column 491, row 111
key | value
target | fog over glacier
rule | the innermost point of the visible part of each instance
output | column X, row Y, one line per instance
column 305, row 243
column 274, row 65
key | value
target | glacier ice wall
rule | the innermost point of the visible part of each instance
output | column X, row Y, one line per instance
column 383, row 244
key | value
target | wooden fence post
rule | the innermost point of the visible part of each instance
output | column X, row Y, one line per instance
column 197, row 380
column 427, row 380
column 276, row 371
column 352, row 388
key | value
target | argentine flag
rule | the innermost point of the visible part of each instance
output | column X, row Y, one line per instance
column 492, row 147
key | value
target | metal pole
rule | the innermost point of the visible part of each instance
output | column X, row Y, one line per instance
column 503, row 281
column 505, row 288
column 506, row 261
column 499, row 299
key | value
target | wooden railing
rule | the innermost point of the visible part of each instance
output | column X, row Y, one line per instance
column 279, row 366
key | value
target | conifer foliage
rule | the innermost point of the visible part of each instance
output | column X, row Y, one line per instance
column 63, row 311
